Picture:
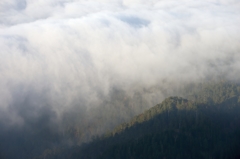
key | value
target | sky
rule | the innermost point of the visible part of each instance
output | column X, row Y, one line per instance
column 60, row 57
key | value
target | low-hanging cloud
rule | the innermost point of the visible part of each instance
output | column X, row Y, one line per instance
column 73, row 56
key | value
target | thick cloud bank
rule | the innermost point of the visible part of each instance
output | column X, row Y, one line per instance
column 60, row 57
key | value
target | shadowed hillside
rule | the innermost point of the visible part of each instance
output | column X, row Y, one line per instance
column 206, row 126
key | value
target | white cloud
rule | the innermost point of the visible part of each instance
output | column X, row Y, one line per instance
column 74, row 52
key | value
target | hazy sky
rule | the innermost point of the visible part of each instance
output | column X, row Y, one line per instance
column 72, row 53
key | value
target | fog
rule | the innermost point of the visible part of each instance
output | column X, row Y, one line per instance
column 82, row 62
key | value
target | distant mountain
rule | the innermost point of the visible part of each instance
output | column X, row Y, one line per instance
column 206, row 125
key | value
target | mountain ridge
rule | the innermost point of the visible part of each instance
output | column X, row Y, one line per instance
column 175, row 128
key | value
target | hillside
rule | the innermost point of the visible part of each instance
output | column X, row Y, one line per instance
column 205, row 126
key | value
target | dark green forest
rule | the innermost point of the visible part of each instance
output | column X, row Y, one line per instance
column 205, row 124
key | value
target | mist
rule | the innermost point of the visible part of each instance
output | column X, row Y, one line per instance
column 67, row 63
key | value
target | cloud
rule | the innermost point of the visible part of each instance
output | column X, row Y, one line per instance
column 60, row 56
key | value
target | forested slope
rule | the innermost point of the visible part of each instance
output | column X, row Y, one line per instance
column 207, row 125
